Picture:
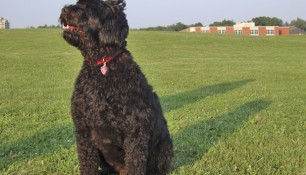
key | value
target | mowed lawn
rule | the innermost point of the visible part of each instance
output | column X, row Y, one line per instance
column 234, row 104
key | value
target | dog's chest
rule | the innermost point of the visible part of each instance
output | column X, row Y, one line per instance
column 106, row 104
column 111, row 101
column 107, row 135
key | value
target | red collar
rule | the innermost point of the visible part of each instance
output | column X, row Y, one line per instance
column 106, row 59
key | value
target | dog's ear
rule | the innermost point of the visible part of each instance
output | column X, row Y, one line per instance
column 82, row 1
column 116, row 3
column 115, row 27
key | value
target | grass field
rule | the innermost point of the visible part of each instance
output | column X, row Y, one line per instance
column 234, row 104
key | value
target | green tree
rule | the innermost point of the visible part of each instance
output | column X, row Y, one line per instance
column 286, row 24
column 196, row 25
column 299, row 23
column 177, row 27
column 223, row 23
column 267, row 21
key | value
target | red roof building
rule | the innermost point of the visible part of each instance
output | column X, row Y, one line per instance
column 247, row 29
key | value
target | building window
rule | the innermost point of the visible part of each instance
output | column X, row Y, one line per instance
column 270, row 32
column 205, row 31
column 254, row 32
column 221, row 31
column 238, row 32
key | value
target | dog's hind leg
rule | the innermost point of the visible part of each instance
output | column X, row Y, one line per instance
column 164, row 156
column 160, row 158
column 136, row 154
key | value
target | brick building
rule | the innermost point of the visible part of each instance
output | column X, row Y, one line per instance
column 4, row 24
column 247, row 29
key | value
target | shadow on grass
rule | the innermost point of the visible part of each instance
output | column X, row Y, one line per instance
column 193, row 142
column 39, row 144
column 177, row 101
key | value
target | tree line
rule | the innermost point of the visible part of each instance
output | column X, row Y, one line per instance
column 44, row 26
column 49, row 26
column 259, row 21
column 174, row 27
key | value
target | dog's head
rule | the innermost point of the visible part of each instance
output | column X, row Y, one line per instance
column 92, row 24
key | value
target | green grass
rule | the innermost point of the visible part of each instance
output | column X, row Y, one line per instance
column 234, row 104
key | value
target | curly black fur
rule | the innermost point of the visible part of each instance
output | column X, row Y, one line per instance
column 120, row 127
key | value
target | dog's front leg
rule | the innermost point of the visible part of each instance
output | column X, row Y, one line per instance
column 87, row 153
column 136, row 153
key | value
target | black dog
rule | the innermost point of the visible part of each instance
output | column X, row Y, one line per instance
column 120, row 127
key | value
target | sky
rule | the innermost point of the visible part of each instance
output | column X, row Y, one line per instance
column 149, row 13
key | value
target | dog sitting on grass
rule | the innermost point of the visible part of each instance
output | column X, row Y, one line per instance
column 119, row 123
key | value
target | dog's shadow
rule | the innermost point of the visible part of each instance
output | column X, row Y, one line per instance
column 45, row 142
column 173, row 102
column 194, row 141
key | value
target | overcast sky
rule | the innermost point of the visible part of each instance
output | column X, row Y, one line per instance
column 146, row 13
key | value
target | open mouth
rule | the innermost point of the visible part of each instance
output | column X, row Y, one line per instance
column 68, row 27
